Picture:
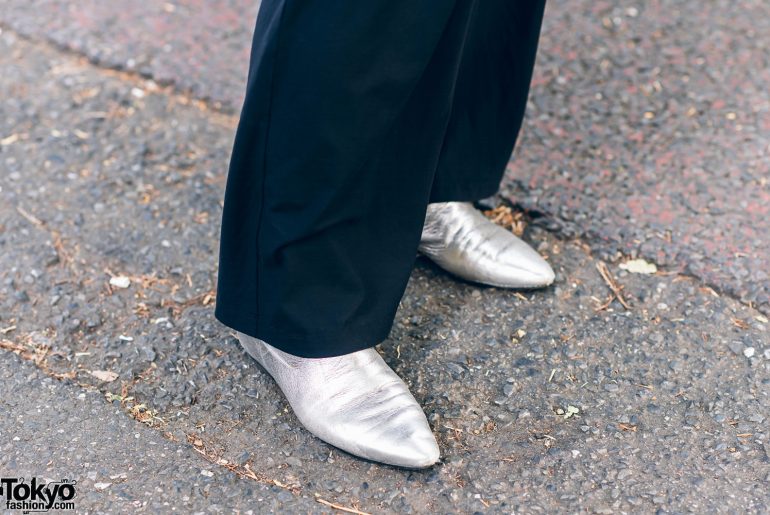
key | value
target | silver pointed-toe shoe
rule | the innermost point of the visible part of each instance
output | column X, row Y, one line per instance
column 461, row 240
column 354, row 402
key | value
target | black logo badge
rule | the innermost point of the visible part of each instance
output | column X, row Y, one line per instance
column 36, row 496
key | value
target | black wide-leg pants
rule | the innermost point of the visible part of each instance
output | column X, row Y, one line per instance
column 357, row 115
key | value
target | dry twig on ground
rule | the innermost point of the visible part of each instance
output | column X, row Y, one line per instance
column 612, row 284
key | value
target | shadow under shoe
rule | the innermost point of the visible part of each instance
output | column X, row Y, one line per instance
column 461, row 240
column 355, row 402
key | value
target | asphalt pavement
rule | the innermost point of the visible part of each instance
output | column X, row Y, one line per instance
column 642, row 141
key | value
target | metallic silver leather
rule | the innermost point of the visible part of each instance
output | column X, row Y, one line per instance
column 354, row 402
column 460, row 239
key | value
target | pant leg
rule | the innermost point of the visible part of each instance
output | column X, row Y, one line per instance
column 490, row 99
column 345, row 113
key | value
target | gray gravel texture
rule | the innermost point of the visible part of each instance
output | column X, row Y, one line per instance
column 59, row 431
column 198, row 45
column 105, row 174
column 648, row 135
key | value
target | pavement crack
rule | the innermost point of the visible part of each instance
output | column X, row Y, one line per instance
column 220, row 113
column 589, row 241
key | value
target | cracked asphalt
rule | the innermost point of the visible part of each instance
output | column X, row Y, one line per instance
column 113, row 152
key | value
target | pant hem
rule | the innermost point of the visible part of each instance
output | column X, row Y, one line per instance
column 312, row 345
column 462, row 194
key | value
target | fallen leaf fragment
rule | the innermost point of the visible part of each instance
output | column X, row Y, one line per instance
column 571, row 410
column 639, row 266
column 9, row 139
column 104, row 375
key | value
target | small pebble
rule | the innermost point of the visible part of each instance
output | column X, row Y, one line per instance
column 120, row 281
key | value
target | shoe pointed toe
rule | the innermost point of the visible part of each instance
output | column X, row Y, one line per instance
column 524, row 268
column 421, row 450
column 410, row 444
column 395, row 432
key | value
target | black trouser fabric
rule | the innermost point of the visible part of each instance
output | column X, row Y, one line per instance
column 358, row 114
